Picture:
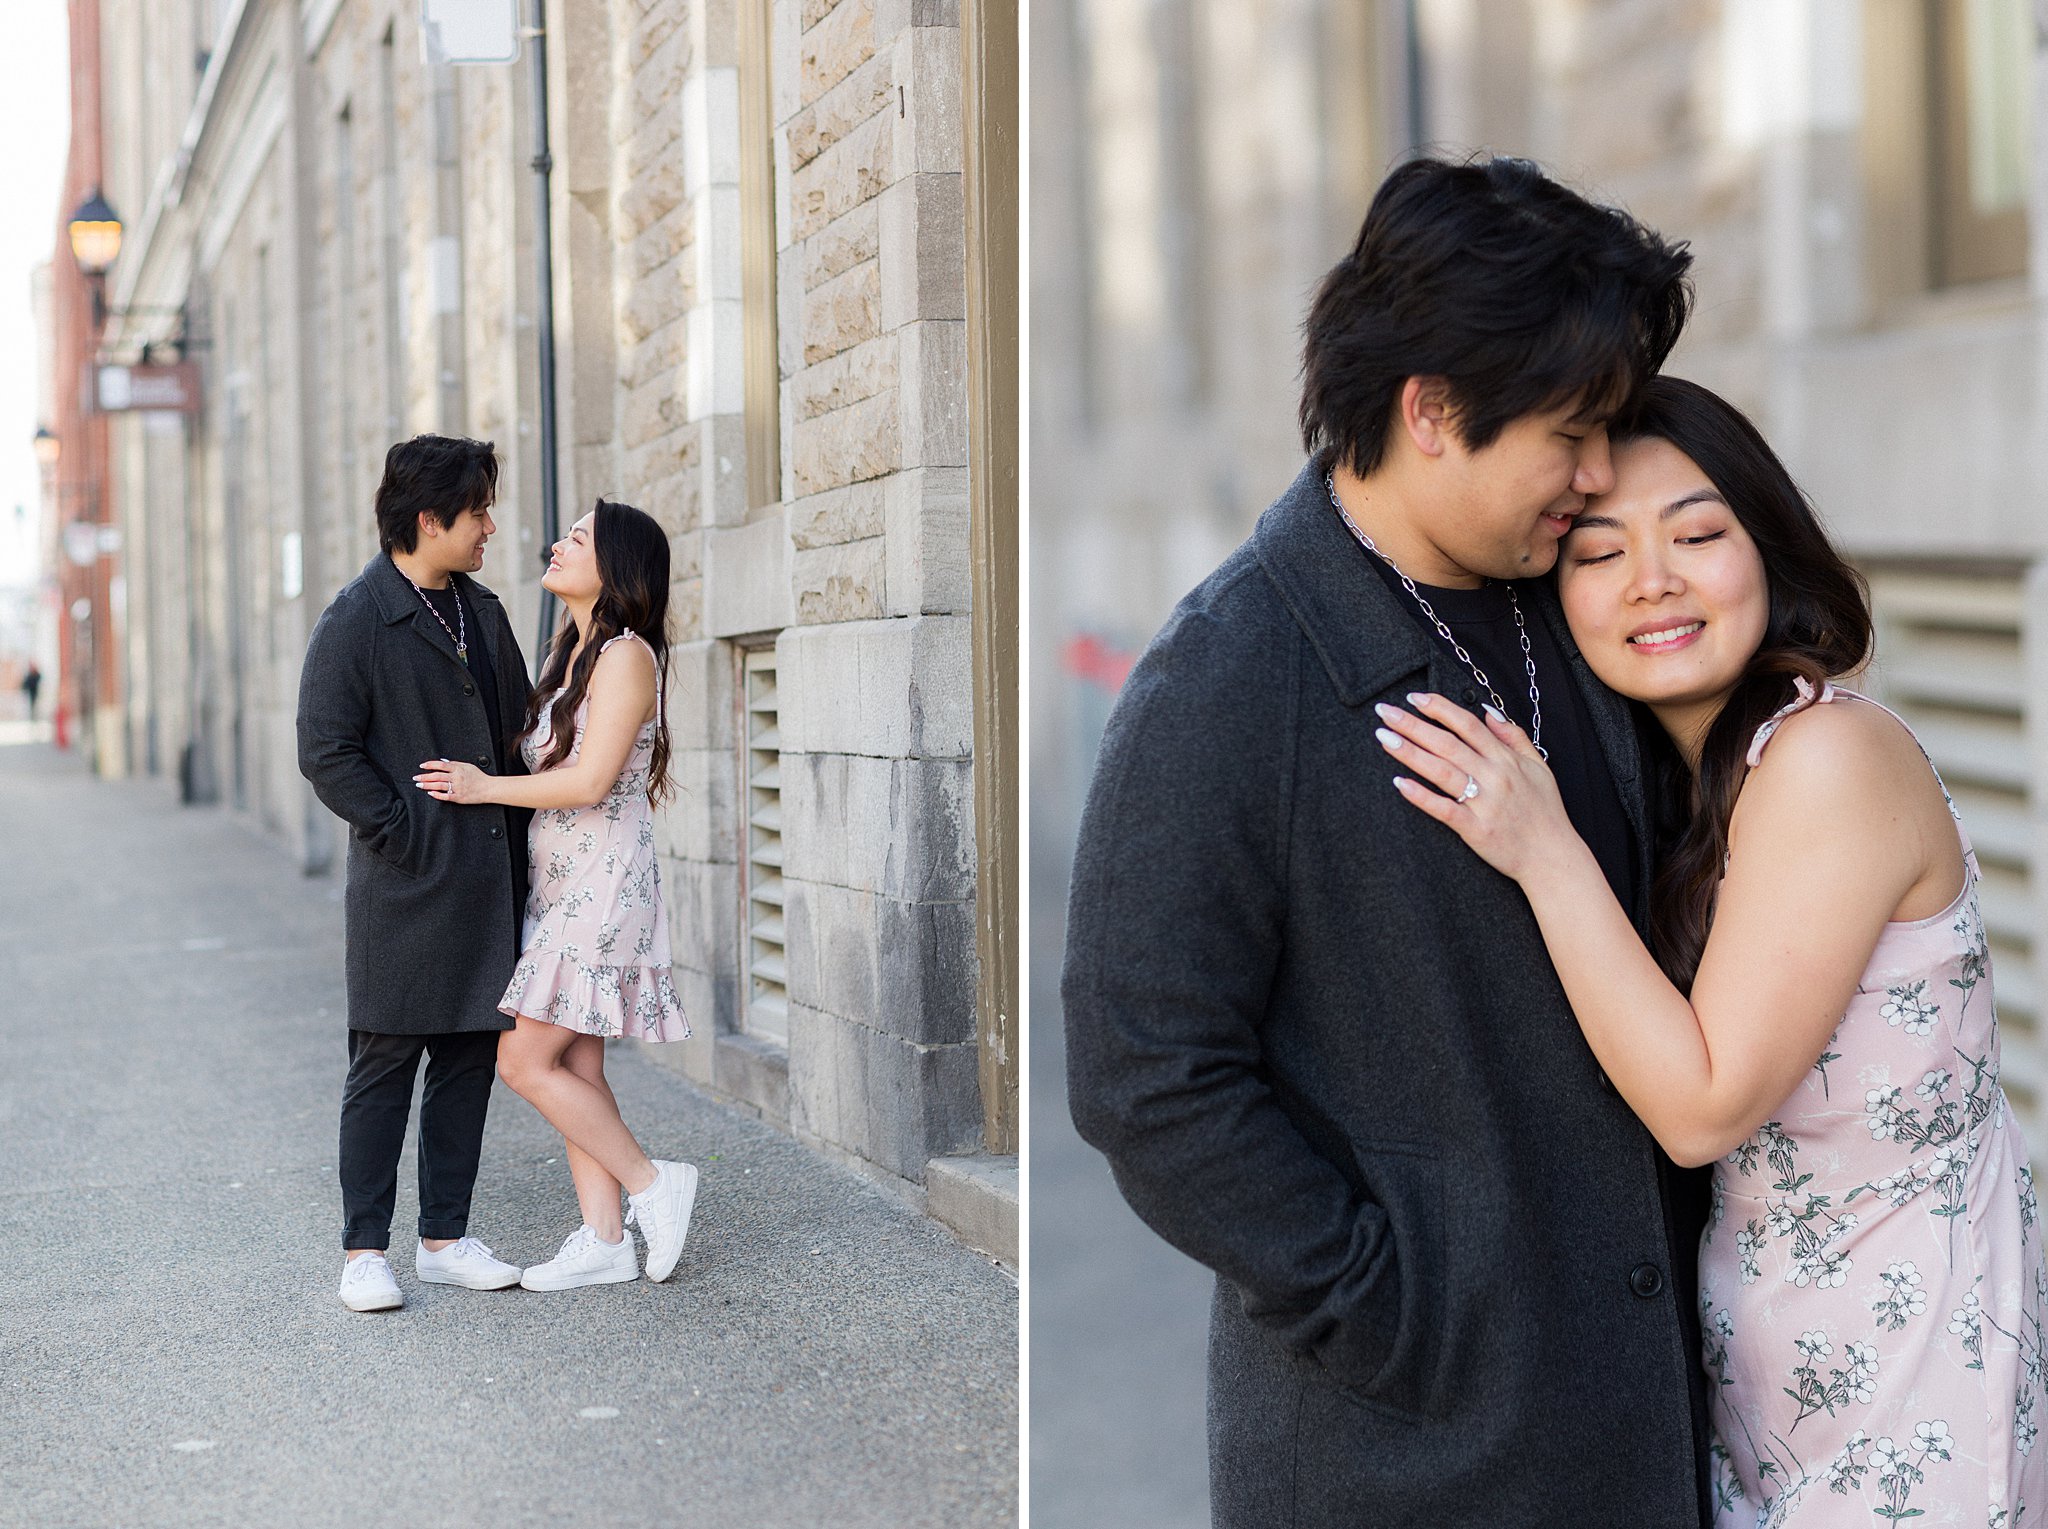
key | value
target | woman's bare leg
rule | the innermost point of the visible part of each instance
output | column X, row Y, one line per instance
column 597, row 1191
column 530, row 1060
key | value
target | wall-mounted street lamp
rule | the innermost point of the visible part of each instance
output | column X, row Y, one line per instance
column 47, row 447
column 95, row 235
column 95, row 245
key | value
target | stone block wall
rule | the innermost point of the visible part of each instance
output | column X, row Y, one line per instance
column 856, row 572
column 857, row 575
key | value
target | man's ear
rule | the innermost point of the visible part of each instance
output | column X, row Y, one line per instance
column 1425, row 415
column 430, row 524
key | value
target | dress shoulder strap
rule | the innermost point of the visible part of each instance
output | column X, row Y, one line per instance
column 1805, row 697
column 622, row 636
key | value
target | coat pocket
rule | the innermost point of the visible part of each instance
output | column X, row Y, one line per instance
column 380, row 851
column 1406, row 1180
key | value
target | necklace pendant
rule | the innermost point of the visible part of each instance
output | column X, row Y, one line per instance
column 462, row 652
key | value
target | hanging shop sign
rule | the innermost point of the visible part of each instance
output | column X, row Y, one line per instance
column 174, row 389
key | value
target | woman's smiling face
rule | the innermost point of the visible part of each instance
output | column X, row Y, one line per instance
column 572, row 566
column 1664, row 589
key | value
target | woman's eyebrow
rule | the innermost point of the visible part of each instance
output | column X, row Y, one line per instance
column 1697, row 496
column 1609, row 523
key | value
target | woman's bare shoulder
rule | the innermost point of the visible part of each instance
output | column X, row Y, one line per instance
column 1847, row 754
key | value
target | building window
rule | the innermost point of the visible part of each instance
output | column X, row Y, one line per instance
column 762, row 369
column 765, row 980
column 1952, row 661
column 1980, row 72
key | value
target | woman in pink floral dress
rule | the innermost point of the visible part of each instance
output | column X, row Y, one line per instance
column 594, row 960
column 1817, row 1018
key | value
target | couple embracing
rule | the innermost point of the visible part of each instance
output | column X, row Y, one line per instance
column 1505, row 952
column 504, row 914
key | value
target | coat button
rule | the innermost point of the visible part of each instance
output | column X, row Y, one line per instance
column 482, row 763
column 499, row 833
column 1646, row 1280
column 469, row 690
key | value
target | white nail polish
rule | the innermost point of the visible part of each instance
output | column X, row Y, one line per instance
column 1387, row 739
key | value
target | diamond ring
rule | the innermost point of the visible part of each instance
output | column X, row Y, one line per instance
column 1471, row 789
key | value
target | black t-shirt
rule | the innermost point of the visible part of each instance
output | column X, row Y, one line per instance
column 444, row 603
column 1484, row 621
column 485, row 677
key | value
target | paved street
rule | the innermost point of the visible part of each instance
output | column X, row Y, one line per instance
column 1119, row 1320
column 171, row 1350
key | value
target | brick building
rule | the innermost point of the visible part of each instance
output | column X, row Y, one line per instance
column 81, row 527
column 765, row 221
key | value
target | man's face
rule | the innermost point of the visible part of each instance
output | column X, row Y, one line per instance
column 1504, row 508
column 459, row 546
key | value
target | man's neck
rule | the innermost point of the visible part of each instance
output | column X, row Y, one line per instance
column 419, row 570
column 1376, row 506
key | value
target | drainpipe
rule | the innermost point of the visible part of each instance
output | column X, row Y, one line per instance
column 544, row 326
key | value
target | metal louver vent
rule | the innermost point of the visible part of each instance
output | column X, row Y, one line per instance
column 1951, row 659
column 766, row 1011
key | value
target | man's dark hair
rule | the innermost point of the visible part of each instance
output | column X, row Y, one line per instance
column 443, row 475
column 1518, row 292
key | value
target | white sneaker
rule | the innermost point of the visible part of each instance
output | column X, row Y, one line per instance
column 465, row 1262
column 367, row 1285
column 662, row 1212
column 585, row 1261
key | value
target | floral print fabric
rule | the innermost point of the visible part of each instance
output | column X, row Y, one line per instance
column 594, row 955
column 1871, row 1278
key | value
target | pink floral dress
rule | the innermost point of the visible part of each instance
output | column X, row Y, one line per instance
column 594, row 954
column 1871, row 1278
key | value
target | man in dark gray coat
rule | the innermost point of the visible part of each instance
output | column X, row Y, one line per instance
column 414, row 661
column 1319, row 1040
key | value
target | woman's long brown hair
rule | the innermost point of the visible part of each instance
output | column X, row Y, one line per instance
column 1818, row 628
column 632, row 572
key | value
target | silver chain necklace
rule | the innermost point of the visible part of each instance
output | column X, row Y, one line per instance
column 459, row 633
column 1443, row 631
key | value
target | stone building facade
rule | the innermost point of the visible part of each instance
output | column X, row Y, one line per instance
column 1865, row 186
column 760, row 260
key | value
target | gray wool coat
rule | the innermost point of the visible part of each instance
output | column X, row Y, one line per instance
column 1326, row 1054
column 435, row 890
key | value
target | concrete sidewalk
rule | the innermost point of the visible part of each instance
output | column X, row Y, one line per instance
column 171, row 1350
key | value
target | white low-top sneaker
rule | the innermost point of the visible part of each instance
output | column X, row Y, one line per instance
column 585, row 1261
column 367, row 1285
column 465, row 1262
column 662, row 1212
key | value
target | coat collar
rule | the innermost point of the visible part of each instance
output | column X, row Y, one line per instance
column 1352, row 620
column 397, row 600
column 1366, row 641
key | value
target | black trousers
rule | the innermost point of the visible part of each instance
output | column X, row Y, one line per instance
column 375, row 1102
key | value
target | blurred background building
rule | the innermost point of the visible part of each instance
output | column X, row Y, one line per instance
column 1864, row 184
column 781, row 236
